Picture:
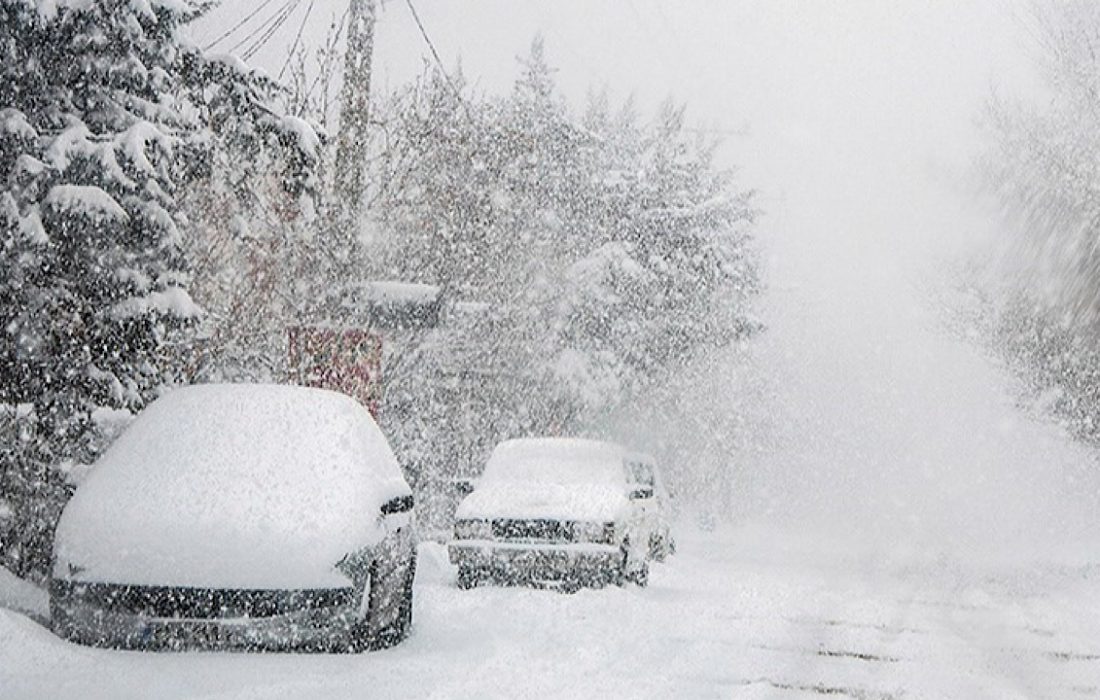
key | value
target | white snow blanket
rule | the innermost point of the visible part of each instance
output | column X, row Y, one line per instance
column 22, row 596
column 556, row 461
column 748, row 614
column 250, row 486
column 560, row 478
column 583, row 502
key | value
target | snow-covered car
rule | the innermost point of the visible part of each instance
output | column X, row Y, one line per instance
column 561, row 510
column 239, row 517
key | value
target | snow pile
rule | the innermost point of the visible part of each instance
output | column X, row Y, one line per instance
column 308, row 140
column 586, row 502
column 556, row 461
column 172, row 301
column 22, row 596
column 737, row 614
column 606, row 262
column 233, row 486
column 14, row 123
column 86, row 199
column 566, row 478
column 49, row 8
column 135, row 140
column 387, row 292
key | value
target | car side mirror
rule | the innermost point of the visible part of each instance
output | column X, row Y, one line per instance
column 641, row 493
column 400, row 504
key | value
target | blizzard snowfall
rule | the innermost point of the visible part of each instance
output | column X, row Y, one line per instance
column 902, row 527
column 897, row 559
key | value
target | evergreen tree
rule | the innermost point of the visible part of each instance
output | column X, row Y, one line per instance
column 1041, row 302
column 105, row 116
column 585, row 259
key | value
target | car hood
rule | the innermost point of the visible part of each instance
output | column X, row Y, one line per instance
column 141, row 547
column 585, row 502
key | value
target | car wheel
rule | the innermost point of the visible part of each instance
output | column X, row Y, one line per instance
column 360, row 637
column 397, row 630
column 639, row 576
column 468, row 578
column 624, row 574
column 658, row 550
column 407, row 604
column 618, row 576
column 570, row 585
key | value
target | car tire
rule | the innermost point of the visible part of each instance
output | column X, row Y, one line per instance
column 405, row 617
column 398, row 630
column 570, row 585
column 658, row 548
column 622, row 572
column 639, row 576
column 360, row 638
column 618, row 575
column 467, row 578
column 364, row 634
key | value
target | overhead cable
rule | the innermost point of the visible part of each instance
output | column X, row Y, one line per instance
column 238, row 25
column 297, row 38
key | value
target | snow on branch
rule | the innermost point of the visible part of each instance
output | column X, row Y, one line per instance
column 173, row 301
column 87, row 200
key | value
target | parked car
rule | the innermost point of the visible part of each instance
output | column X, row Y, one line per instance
column 561, row 510
column 239, row 517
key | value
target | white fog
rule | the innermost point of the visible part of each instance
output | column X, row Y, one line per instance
column 873, row 415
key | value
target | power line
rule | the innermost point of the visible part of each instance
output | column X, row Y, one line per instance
column 276, row 26
column 238, row 25
column 297, row 38
column 262, row 41
column 439, row 61
column 335, row 40
column 262, row 27
column 424, row 33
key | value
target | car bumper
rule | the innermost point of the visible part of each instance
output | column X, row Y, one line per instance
column 586, row 563
column 88, row 620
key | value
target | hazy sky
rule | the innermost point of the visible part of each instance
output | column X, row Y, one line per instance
column 841, row 106
column 855, row 119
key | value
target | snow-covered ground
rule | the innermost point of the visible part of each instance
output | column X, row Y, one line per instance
column 21, row 596
column 747, row 613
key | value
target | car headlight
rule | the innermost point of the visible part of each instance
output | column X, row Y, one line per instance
column 598, row 533
column 473, row 530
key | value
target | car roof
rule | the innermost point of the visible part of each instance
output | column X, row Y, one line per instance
column 556, row 458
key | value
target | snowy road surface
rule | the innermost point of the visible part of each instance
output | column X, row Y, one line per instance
column 745, row 614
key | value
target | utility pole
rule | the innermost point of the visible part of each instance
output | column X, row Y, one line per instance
column 349, row 179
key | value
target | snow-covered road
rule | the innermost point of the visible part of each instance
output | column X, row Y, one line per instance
column 746, row 614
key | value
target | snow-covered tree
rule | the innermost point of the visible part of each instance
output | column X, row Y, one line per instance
column 106, row 116
column 585, row 257
column 1042, row 306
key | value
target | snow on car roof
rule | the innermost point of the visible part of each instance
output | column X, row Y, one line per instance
column 232, row 485
column 556, row 460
